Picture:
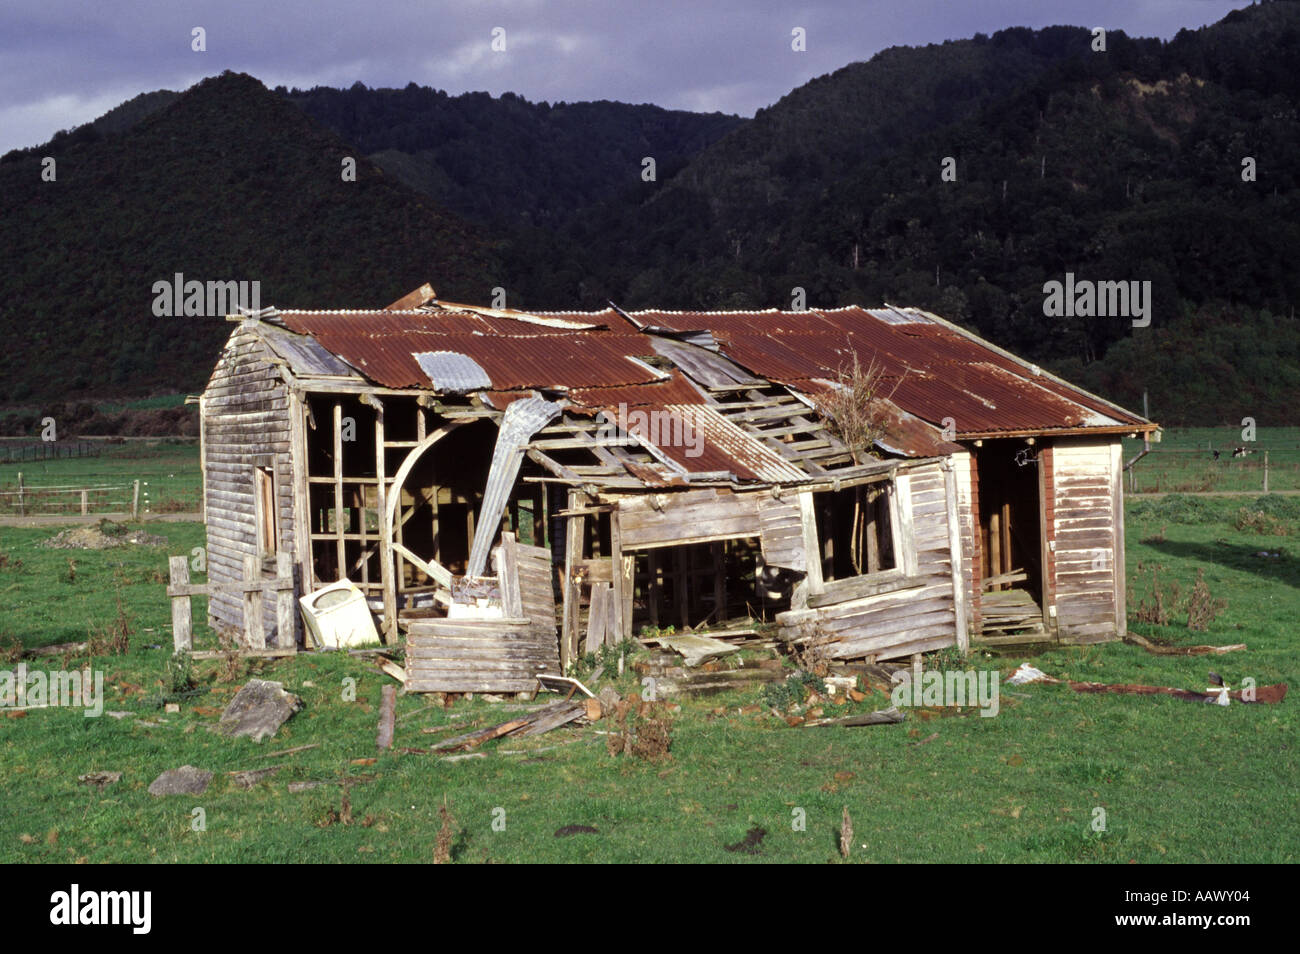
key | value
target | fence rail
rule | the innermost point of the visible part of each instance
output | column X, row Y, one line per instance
column 48, row 499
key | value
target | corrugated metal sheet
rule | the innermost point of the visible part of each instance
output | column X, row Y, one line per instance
column 716, row 444
column 940, row 372
column 932, row 371
column 520, row 422
column 384, row 354
column 452, row 371
column 710, row 369
column 676, row 390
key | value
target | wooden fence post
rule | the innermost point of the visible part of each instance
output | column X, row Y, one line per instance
column 22, row 512
column 254, row 626
column 84, row 501
column 1265, row 471
column 135, row 500
column 285, row 617
column 182, row 619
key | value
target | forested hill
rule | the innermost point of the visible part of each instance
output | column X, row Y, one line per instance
column 227, row 182
column 1170, row 162
column 1118, row 165
column 506, row 161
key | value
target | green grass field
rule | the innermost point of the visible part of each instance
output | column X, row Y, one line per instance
column 1179, row 781
column 1183, row 461
column 168, row 471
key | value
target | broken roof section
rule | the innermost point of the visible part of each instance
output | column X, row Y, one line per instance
column 747, row 382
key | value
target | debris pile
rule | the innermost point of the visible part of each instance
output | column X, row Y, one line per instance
column 104, row 535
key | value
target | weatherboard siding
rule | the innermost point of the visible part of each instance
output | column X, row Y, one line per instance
column 1085, row 517
column 245, row 425
column 919, row 615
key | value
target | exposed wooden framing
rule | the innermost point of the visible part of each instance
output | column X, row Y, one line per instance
column 719, row 582
column 955, row 556
column 571, row 590
column 433, row 568
column 386, row 569
column 621, row 628
column 340, row 544
column 301, row 491
column 393, row 499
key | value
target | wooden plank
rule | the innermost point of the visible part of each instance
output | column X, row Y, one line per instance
column 620, row 622
column 1117, row 512
column 182, row 620
column 572, row 592
column 387, row 712
column 811, row 546
column 439, row 573
column 254, row 624
column 340, row 544
column 858, row 587
column 286, row 616
column 598, row 620
column 904, row 526
column 955, row 558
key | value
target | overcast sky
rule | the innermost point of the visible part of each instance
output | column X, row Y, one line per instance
column 65, row 62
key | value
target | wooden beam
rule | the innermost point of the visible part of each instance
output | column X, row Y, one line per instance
column 286, row 615
column 1117, row 506
column 433, row 568
column 620, row 628
column 182, row 618
column 571, row 590
column 254, row 625
column 340, row 546
column 955, row 557
column 812, row 549
column 385, row 527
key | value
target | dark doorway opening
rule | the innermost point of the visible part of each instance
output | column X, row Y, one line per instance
column 1010, row 526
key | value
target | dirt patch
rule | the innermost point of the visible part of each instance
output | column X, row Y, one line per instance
column 104, row 535
column 749, row 844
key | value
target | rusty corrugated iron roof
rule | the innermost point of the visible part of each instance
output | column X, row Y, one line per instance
column 939, row 371
column 515, row 355
column 931, row 370
column 678, row 389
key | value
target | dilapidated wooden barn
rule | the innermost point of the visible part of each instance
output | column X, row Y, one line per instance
column 510, row 489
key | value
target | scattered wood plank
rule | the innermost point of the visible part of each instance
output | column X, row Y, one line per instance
column 562, row 684
column 54, row 649
column 292, row 751
column 1157, row 650
column 880, row 717
column 392, row 669
column 534, row 723
column 697, row 649
column 387, row 714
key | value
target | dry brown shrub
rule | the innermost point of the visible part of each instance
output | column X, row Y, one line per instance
column 854, row 408
column 1202, row 607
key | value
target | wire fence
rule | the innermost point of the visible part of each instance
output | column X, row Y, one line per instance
column 30, row 501
column 1216, row 470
